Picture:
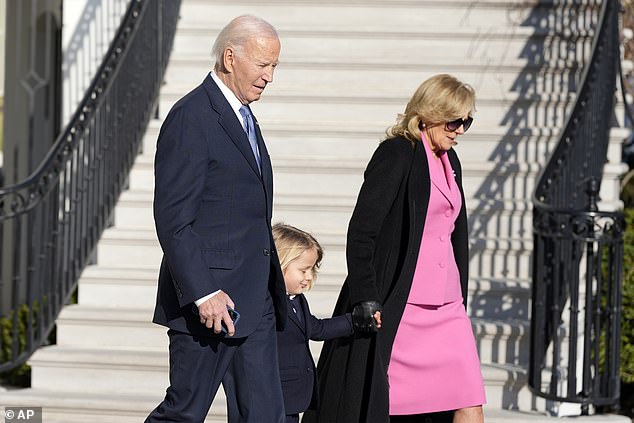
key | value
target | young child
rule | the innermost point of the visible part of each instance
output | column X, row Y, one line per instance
column 300, row 256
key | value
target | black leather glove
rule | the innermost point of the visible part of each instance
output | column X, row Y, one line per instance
column 363, row 316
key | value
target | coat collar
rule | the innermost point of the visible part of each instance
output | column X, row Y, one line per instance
column 293, row 317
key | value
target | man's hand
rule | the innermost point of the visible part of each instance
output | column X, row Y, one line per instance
column 213, row 313
column 366, row 316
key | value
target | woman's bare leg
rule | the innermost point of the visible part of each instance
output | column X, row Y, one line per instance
column 469, row 415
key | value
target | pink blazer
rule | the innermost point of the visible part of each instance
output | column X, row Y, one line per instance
column 436, row 278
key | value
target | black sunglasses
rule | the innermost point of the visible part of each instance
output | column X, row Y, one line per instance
column 455, row 124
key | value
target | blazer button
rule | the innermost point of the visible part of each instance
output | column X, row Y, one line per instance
column 267, row 252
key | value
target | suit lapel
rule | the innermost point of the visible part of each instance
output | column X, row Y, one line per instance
column 229, row 122
column 442, row 189
column 445, row 189
column 457, row 173
column 293, row 316
column 266, row 168
column 264, row 154
column 305, row 315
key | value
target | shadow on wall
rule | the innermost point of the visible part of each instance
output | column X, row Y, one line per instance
column 501, row 221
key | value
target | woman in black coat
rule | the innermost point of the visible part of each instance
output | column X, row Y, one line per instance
column 385, row 236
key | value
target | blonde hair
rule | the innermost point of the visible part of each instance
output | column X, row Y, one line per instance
column 439, row 99
column 291, row 242
column 236, row 34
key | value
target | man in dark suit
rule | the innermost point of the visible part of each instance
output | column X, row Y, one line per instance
column 212, row 208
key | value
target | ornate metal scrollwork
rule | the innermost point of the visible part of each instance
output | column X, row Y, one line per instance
column 53, row 219
column 577, row 249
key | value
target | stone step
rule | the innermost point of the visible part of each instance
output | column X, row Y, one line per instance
column 358, row 142
column 307, row 105
column 109, row 328
column 86, row 326
column 501, row 258
column 140, row 249
column 377, row 15
column 82, row 407
column 311, row 213
column 103, row 286
column 493, row 415
column 506, row 388
column 316, row 213
column 395, row 79
column 96, row 369
column 356, row 42
column 339, row 177
column 490, row 258
column 499, row 299
column 144, row 372
column 118, row 287
column 502, row 341
column 129, row 288
column 497, row 147
column 76, row 407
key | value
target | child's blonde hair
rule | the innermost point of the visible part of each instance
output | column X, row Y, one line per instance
column 291, row 242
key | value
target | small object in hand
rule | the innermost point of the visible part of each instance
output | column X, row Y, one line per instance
column 234, row 315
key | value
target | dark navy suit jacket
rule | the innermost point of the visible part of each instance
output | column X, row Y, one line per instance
column 297, row 368
column 212, row 210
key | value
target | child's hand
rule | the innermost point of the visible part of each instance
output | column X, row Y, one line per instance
column 377, row 318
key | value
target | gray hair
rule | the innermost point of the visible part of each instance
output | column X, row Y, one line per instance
column 237, row 32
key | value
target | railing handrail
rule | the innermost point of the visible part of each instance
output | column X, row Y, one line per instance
column 51, row 221
column 577, row 249
column 93, row 96
column 537, row 202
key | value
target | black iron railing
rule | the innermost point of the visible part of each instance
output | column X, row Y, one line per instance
column 51, row 222
column 578, row 250
column 83, row 52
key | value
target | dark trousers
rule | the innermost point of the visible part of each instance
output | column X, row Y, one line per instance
column 246, row 367
column 440, row 417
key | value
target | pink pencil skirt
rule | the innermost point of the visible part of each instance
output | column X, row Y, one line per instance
column 434, row 364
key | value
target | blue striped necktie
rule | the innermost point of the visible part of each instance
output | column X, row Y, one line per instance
column 249, row 128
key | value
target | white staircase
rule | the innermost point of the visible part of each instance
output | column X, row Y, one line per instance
column 346, row 70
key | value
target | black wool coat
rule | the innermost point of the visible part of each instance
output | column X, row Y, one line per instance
column 383, row 241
